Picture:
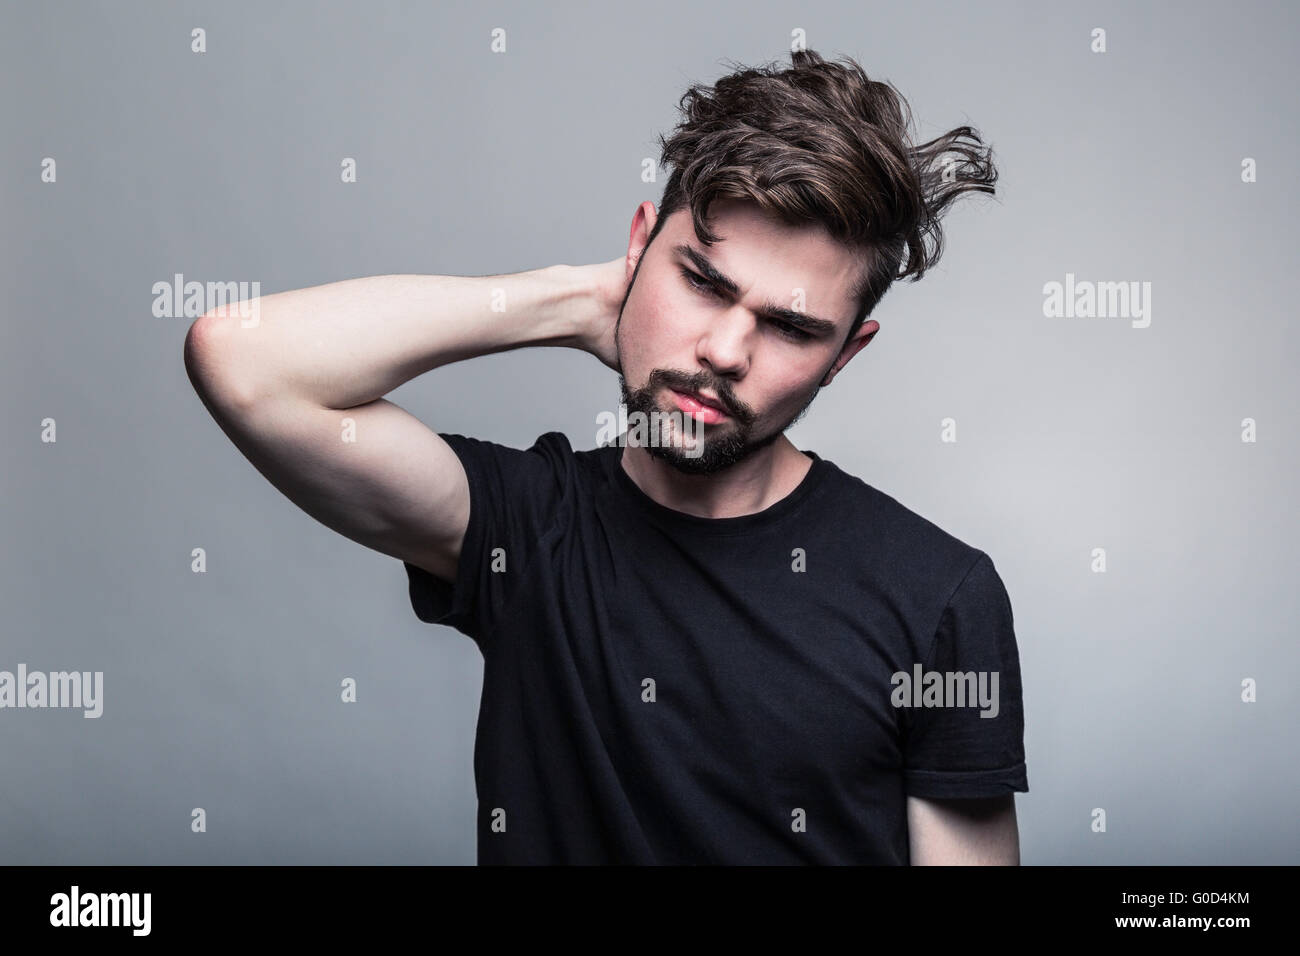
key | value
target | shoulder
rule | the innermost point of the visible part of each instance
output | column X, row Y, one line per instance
column 912, row 543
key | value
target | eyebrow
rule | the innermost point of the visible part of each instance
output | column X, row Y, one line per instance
column 768, row 309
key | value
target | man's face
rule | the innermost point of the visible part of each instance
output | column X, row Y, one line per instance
column 758, row 349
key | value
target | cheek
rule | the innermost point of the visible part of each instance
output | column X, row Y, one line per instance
column 654, row 328
column 632, row 335
column 785, row 395
column 662, row 312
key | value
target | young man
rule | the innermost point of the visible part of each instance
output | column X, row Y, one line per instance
column 717, row 648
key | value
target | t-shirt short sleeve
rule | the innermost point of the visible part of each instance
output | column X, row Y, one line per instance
column 968, row 751
column 515, row 500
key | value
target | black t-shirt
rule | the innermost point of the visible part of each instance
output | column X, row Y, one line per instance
column 662, row 688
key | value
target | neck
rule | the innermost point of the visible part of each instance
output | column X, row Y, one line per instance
column 750, row 486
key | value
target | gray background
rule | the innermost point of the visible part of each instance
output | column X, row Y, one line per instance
column 222, row 689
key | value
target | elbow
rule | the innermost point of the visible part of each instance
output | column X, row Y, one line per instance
column 210, row 363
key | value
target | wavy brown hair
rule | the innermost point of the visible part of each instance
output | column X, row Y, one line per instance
column 821, row 142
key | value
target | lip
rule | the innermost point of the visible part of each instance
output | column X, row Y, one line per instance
column 698, row 409
column 704, row 400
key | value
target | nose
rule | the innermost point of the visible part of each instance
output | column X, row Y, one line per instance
column 725, row 343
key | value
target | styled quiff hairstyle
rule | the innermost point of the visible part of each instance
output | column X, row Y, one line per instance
column 820, row 142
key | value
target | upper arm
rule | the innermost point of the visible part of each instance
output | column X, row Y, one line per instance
column 963, row 831
column 373, row 473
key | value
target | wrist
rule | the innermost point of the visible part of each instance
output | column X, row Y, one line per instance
column 580, row 304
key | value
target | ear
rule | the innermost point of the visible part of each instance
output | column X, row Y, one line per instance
column 643, row 223
column 851, row 348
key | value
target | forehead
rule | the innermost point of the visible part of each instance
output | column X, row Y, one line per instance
column 761, row 252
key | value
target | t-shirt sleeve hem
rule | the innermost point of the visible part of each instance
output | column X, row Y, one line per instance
column 942, row 784
column 434, row 600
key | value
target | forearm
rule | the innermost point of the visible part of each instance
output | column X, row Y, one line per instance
column 962, row 832
column 348, row 343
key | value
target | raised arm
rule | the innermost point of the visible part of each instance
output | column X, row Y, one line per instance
column 298, row 389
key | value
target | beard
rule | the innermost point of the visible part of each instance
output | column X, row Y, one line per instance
column 724, row 444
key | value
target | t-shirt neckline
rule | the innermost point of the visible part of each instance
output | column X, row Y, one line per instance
column 737, row 524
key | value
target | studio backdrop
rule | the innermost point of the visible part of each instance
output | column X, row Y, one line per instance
column 1096, row 386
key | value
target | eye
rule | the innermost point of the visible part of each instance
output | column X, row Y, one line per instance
column 698, row 282
column 792, row 332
